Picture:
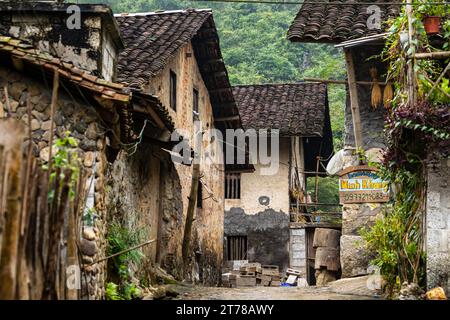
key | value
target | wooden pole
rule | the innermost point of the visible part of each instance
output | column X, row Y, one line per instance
column 190, row 212
column 12, row 133
column 192, row 196
column 52, row 118
column 8, row 105
column 353, row 90
column 432, row 55
column 410, row 60
column 332, row 81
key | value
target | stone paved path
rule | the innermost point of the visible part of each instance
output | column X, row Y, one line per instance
column 354, row 289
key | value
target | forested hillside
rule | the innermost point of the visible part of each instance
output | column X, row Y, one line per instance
column 256, row 49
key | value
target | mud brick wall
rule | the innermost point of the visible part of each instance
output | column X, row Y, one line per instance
column 83, row 123
column 207, row 243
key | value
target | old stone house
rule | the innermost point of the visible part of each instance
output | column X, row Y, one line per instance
column 175, row 55
column 170, row 72
column 349, row 27
column 265, row 217
column 98, row 113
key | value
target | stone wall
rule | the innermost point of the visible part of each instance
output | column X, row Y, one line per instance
column 89, row 47
column 438, row 224
column 83, row 123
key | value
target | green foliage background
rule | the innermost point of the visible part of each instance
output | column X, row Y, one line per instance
column 256, row 50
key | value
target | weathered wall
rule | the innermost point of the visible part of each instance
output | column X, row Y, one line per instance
column 438, row 225
column 372, row 121
column 267, row 235
column 88, row 48
column 266, row 226
column 276, row 187
column 84, row 124
column 208, row 225
column 133, row 189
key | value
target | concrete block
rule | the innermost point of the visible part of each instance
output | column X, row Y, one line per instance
column 436, row 218
column 245, row 281
column 298, row 232
column 292, row 279
column 433, row 199
column 437, row 240
column 299, row 254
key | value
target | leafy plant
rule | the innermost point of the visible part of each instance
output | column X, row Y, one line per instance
column 112, row 292
column 121, row 238
column 65, row 159
column 435, row 9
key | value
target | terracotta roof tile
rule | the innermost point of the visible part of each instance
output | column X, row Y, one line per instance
column 295, row 109
column 337, row 23
column 151, row 39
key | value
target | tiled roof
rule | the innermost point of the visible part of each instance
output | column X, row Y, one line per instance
column 116, row 92
column 27, row 53
column 337, row 23
column 295, row 109
column 151, row 39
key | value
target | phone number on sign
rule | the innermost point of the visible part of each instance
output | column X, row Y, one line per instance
column 364, row 197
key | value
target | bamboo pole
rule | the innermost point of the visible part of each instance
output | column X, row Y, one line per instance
column 332, row 81
column 410, row 60
column 11, row 136
column 8, row 105
column 52, row 118
column 353, row 90
column 432, row 55
column 190, row 212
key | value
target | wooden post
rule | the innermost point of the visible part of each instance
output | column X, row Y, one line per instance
column 190, row 212
column 52, row 118
column 193, row 195
column 12, row 133
column 353, row 90
column 410, row 59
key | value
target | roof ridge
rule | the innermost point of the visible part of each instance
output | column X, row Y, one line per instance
column 159, row 12
column 277, row 84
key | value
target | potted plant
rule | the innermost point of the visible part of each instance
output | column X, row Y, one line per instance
column 432, row 15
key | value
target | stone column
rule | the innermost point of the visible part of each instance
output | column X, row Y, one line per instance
column 355, row 259
column 438, row 225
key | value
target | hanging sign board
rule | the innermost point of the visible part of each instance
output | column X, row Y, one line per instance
column 361, row 184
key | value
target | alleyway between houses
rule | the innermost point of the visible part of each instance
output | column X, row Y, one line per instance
column 347, row 289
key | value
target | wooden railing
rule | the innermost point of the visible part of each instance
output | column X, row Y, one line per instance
column 316, row 215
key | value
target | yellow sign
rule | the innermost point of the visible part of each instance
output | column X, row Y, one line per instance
column 362, row 184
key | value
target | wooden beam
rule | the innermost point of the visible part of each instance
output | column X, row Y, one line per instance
column 353, row 90
column 411, row 78
column 231, row 118
column 152, row 114
column 365, row 83
column 432, row 55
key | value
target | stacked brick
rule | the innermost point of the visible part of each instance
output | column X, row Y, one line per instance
column 251, row 275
